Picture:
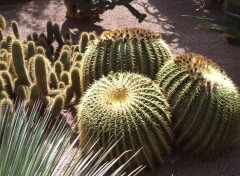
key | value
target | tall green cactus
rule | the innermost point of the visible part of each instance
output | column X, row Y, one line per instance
column 18, row 62
column 31, row 49
column 128, row 105
column 83, row 42
column 205, row 105
column 3, row 23
column 41, row 73
column 49, row 32
column 56, row 107
column 57, row 34
column 15, row 29
column 8, row 84
column 134, row 50
column 75, row 81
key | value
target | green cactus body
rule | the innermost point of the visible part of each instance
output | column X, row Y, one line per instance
column 58, row 35
column 69, row 93
column 77, row 57
column 3, row 95
column 205, row 105
column 1, row 84
column 10, row 39
column 41, row 50
column 15, row 29
column 31, row 48
column 8, row 84
column 128, row 105
column 56, row 107
column 3, row 66
column 92, row 36
column 18, row 62
column 4, row 45
column 43, row 43
column 21, row 92
column 83, row 42
column 29, row 37
column 41, row 73
column 61, row 85
column 1, row 34
column 53, row 80
column 65, row 59
column 134, row 50
column 49, row 32
column 3, row 23
column 58, row 67
column 7, row 103
column 35, row 37
column 75, row 81
column 65, row 77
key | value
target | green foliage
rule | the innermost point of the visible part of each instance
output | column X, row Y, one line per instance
column 129, row 105
column 133, row 50
column 205, row 105
column 47, row 151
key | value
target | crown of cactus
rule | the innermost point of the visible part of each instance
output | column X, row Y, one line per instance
column 133, row 50
column 205, row 105
column 128, row 105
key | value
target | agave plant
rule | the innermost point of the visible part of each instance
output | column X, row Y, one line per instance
column 28, row 147
column 229, row 26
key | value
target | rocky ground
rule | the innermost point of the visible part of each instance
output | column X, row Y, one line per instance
column 163, row 16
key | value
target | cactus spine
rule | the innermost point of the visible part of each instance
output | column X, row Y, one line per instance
column 18, row 62
column 134, row 50
column 3, row 23
column 131, row 106
column 75, row 80
column 205, row 105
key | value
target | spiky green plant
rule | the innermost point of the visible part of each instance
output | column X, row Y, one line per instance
column 3, row 23
column 31, row 49
column 75, row 81
column 41, row 73
column 53, row 80
column 18, row 62
column 15, row 29
column 134, row 50
column 83, row 42
column 28, row 147
column 57, row 34
column 129, row 105
column 205, row 105
column 49, row 32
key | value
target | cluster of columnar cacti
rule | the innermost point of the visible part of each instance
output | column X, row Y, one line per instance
column 31, row 70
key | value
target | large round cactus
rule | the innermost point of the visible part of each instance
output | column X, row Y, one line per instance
column 133, row 50
column 128, row 105
column 205, row 105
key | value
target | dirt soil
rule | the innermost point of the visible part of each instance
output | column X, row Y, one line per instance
column 163, row 16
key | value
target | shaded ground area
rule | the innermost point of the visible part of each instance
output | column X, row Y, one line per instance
column 164, row 16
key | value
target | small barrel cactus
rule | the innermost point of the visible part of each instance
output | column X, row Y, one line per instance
column 132, row 50
column 128, row 105
column 205, row 105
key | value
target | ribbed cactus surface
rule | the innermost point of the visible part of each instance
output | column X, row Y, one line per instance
column 128, row 105
column 205, row 105
column 132, row 50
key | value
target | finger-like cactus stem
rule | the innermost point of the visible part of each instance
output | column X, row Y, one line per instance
column 41, row 73
column 49, row 32
column 53, row 80
column 15, row 29
column 56, row 107
column 83, row 42
column 69, row 93
column 75, row 81
column 58, row 67
column 31, row 48
column 58, row 35
column 65, row 59
column 3, row 23
column 8, row 84
column 18, row 62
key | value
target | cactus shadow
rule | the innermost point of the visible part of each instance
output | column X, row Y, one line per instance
column 76, row 27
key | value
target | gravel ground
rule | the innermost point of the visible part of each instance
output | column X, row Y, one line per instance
column 163, row 16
